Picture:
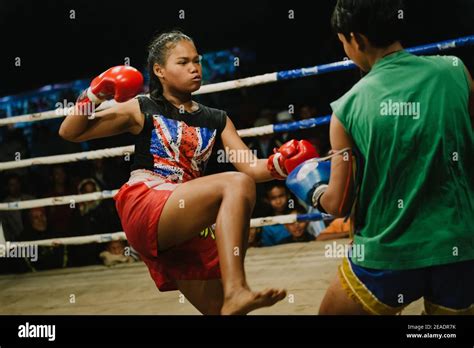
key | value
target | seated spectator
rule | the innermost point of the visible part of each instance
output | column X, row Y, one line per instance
column 288, row 233
column 92, row 217
column 318, row 136
column 336, row 229
column 88, row 218
column 298, row 230
column 49, row 257
column 59, row 216
column 37, row 226
column 114, row 253
column 264, row 144
column 277, row 196
column 13, row 221
column 283, row 117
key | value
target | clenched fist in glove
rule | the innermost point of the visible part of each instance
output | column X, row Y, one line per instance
column 289, row 156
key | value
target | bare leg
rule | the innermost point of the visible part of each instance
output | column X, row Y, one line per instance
column 337, row 302
column 228, row 200
column 206, row 295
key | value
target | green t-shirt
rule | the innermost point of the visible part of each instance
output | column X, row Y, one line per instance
column 409, row 120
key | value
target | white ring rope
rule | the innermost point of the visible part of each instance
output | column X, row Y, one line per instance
column 59, row 200
column 107, row 194
column 73, row 157
column 107, row 237
column 110, row 152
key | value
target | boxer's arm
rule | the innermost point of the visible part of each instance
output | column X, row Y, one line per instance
column 340, row 181
column 121, row 118
column 243, row 159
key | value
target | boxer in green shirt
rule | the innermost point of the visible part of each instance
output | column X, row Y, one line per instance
column 409, row 121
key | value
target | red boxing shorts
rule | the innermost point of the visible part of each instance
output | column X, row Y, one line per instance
column 139, row 204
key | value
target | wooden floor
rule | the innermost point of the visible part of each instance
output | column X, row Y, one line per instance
column 128, row 289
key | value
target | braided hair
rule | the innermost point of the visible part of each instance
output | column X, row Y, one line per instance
column 158, row 53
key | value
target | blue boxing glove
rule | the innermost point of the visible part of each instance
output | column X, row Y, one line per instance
column 309, row 181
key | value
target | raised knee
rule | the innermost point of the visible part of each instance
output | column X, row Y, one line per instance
column 242, row 184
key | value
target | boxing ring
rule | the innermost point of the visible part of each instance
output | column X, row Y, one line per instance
column 127, row 288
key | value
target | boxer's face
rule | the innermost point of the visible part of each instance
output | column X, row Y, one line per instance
column 182, row 71
column 354, row 49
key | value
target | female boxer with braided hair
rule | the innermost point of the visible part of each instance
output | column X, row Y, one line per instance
column 167, row 202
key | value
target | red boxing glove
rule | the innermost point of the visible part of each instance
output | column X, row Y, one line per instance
column 289, row 156
column 120, row 83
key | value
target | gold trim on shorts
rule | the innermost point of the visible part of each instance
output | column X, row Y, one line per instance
column 434, row 309
column 357, row 291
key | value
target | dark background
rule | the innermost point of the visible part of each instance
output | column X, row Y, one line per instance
column 54, row 48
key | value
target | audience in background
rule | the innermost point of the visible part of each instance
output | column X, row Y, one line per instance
column 115, row 253
column 13, row 220
column 48, row 257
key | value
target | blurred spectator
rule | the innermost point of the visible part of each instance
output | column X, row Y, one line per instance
column 97, row 216
column 318, row 136
column 115, row 253
column 307, row 111
column 92, row 217
column 264, row 144
column 37, row 228
column 46, row 141
column 59, row 216
column 99, row 173
column 277, row 196
column 12, row 221
column 298, row 230
column 282, row 202
column 14, row 147
column 111, row 173
column 283, row 117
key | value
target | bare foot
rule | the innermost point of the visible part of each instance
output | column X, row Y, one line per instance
column 244, row 301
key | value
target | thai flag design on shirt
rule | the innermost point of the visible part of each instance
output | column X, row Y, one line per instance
column 180, row 152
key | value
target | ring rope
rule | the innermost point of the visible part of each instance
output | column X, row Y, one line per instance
column 265, row 78
column 107, row 237
column 58, row 200
column 130, row 149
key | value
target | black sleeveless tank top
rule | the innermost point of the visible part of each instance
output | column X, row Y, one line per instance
column 176, row 145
